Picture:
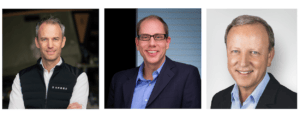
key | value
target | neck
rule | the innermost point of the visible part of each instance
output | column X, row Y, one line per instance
column 150, row 68
column 244, row 93
column 48, row 65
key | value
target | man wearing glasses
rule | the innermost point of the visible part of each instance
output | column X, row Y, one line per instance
column 159, row 82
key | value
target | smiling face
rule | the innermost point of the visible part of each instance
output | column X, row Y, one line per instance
column 248, row 54
column 152, row 51
column 50, row 42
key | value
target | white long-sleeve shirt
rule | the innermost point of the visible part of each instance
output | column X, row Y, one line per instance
column 80, row 92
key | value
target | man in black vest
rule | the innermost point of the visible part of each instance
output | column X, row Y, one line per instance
column 50, row 83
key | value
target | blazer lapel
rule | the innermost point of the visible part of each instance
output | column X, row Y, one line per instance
column 128, row 87
column 163, row 79
column 267, row 99
column 226, row 103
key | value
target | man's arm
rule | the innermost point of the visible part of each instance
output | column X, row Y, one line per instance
column 16, row 97
column 80, row 92
column 192, row 90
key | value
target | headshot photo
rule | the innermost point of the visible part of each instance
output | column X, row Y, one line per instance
column 251, row 59
column 152, row 58
column 50, row 59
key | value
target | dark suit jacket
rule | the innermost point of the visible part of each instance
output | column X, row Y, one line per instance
column 275, row 96
column 178, row 86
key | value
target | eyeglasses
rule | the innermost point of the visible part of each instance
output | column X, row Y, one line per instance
column 157, row 37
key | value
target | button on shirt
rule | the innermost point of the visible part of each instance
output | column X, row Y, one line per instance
column 143, row 88
column 253, row 98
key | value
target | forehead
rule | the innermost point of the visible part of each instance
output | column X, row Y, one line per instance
column 49, row 29
column 151, row 26
column 248, row 35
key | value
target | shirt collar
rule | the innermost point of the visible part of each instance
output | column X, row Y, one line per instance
column 154, row 74
column 256, row 94
column 58, row 64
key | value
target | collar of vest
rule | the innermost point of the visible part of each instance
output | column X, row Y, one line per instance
column 57, row 67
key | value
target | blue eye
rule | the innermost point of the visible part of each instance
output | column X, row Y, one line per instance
column 254, row 52
column 235, row 51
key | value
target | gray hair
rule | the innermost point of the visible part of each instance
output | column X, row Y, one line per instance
column 248, row 19
column 50, row 20
column 152, row 17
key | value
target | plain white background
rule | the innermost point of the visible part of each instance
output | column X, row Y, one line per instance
column 284, row 64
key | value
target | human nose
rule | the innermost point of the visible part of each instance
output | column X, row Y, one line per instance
column 152, row 41
column 244, row 60
column 50, row 44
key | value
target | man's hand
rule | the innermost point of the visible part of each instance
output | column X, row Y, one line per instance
column 75, row 105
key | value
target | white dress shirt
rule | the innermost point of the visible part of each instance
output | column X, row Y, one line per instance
column 80, row 92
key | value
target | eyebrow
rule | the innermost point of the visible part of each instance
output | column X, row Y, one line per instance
column 235, row 48
column 43, row 38
column 48, row 37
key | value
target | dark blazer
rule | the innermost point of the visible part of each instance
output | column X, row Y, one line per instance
column 178, row 86
column 275, row 96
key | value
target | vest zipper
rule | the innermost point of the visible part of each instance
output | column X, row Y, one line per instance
column 46, row 96
column 46, row 103
column 46, row 99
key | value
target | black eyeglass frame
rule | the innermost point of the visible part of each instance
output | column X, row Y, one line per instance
column 166, row 36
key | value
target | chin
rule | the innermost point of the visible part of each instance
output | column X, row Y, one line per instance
column 51, row 58
column 244, row 84
column 153, row 60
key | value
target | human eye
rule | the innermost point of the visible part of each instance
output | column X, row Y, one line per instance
column 43, row 39
column 144, row 37
column 160, row 37
column 254, row 52
column 235, row 51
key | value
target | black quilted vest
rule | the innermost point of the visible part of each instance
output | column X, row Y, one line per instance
column 60, row 87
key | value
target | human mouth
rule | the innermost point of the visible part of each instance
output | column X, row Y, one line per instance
column 244, row 72
column 50, row 52
column 152, row 52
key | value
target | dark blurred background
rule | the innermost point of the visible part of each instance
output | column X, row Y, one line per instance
column 119, row 36
column 81, row 49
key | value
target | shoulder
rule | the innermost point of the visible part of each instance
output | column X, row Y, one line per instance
column 283, row 95
column 286, row 95
column 74, row 70
column 182, row 67
column 26, row 70
column 120, row 77
column 126, row 73
column 218, row 97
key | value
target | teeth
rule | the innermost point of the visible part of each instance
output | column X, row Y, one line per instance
column 152, row 51
column 246, row 72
